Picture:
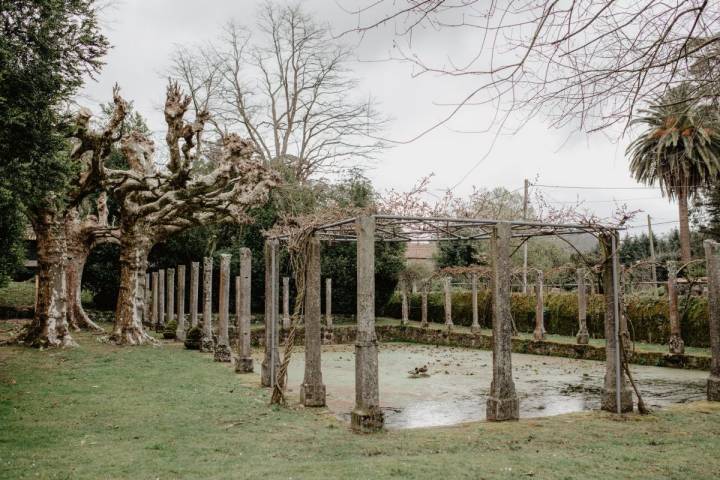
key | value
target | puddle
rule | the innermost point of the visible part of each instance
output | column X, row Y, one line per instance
column 459, row 380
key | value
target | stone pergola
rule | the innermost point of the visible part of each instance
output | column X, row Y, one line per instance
column 506, row 238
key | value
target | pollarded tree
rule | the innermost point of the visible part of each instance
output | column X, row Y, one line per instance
column 46, row 50
column 157, row 203
column 52, row 218
column 679, row 151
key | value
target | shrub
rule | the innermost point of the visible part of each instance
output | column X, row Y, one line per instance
column 647, row 315
column 193, row 338
column 169, row 331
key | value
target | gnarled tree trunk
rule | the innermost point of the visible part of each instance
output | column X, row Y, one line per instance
column 128, row 329
column 49, row 327
column 78, row 253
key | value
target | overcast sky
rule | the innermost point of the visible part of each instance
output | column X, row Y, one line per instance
column 144, row 33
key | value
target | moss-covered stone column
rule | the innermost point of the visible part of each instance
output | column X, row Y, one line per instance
column 170, row 295
column 675, row 343
column 244, row 362
column 502, row 403
column 161, row 300
column 366, row 417
column 583, row 336
column 448, row 304
column 475, row 327
column 208, row 343
column 712, row 259
column 423, row 308
column 147, row 318
column 271, row 361
column 405, row 315
column 539, row 332
column 155, row 288
column 614, row 378
column 181, row 330
column 286, row 303
column 312, row 390
column 222, row 347
column 194, row 290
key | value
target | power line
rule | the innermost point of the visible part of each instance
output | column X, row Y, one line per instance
column 593, row 187
column 606, row 201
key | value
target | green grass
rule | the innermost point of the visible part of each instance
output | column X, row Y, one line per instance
column 18, row 294
column 22, row 295
column 101, row 411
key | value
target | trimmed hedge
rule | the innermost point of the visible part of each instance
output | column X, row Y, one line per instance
column 648, row 316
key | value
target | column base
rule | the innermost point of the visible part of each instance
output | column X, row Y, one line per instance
column 368, row 420
column 538, row 335
column 207, row 345
column 222, row 353
column 424, row 325
column 475, row 328
column 312, row 395
column 676, row 345
column 713, row 388
column 608, row 401
column 244, row 365
column 265, row 373
column 403, row 322
column 502, row 409
column 583, row 337
column 449, row 326
column 180, row 335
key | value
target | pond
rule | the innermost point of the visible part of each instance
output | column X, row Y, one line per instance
column 458, row 381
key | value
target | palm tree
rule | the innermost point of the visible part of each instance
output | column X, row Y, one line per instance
column 679, row 151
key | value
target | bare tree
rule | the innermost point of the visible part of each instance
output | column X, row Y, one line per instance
column 584, row 63
column 288, row 87
column 157, row 203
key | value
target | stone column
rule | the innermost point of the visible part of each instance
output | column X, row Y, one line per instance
column 148, row 301
column 539, row 333
column 194, row 287
column 180, row 332
column 475, row 327
column 712, row 259
column 423, row 308
column 208, row 343
column 328, row 303
column 675, row 344
column 312, row 390
column 161, row 300
column 286, row 303
column 367, row 416
column 613, row 370
column 271, row 362
column 155, row 288
column 244, row 362
column 448, row 304
column 583, row 336
column 222, row 347
column 405, row 309
column 502, row 403
column 170, row 298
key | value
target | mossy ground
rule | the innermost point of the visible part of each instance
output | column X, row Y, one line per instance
column 101, row 411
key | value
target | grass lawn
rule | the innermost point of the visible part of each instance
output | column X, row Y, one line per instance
column 18, row 294
column 101, row 411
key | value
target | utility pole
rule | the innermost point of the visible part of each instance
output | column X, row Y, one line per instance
column 652, row 252
column 525, row 245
